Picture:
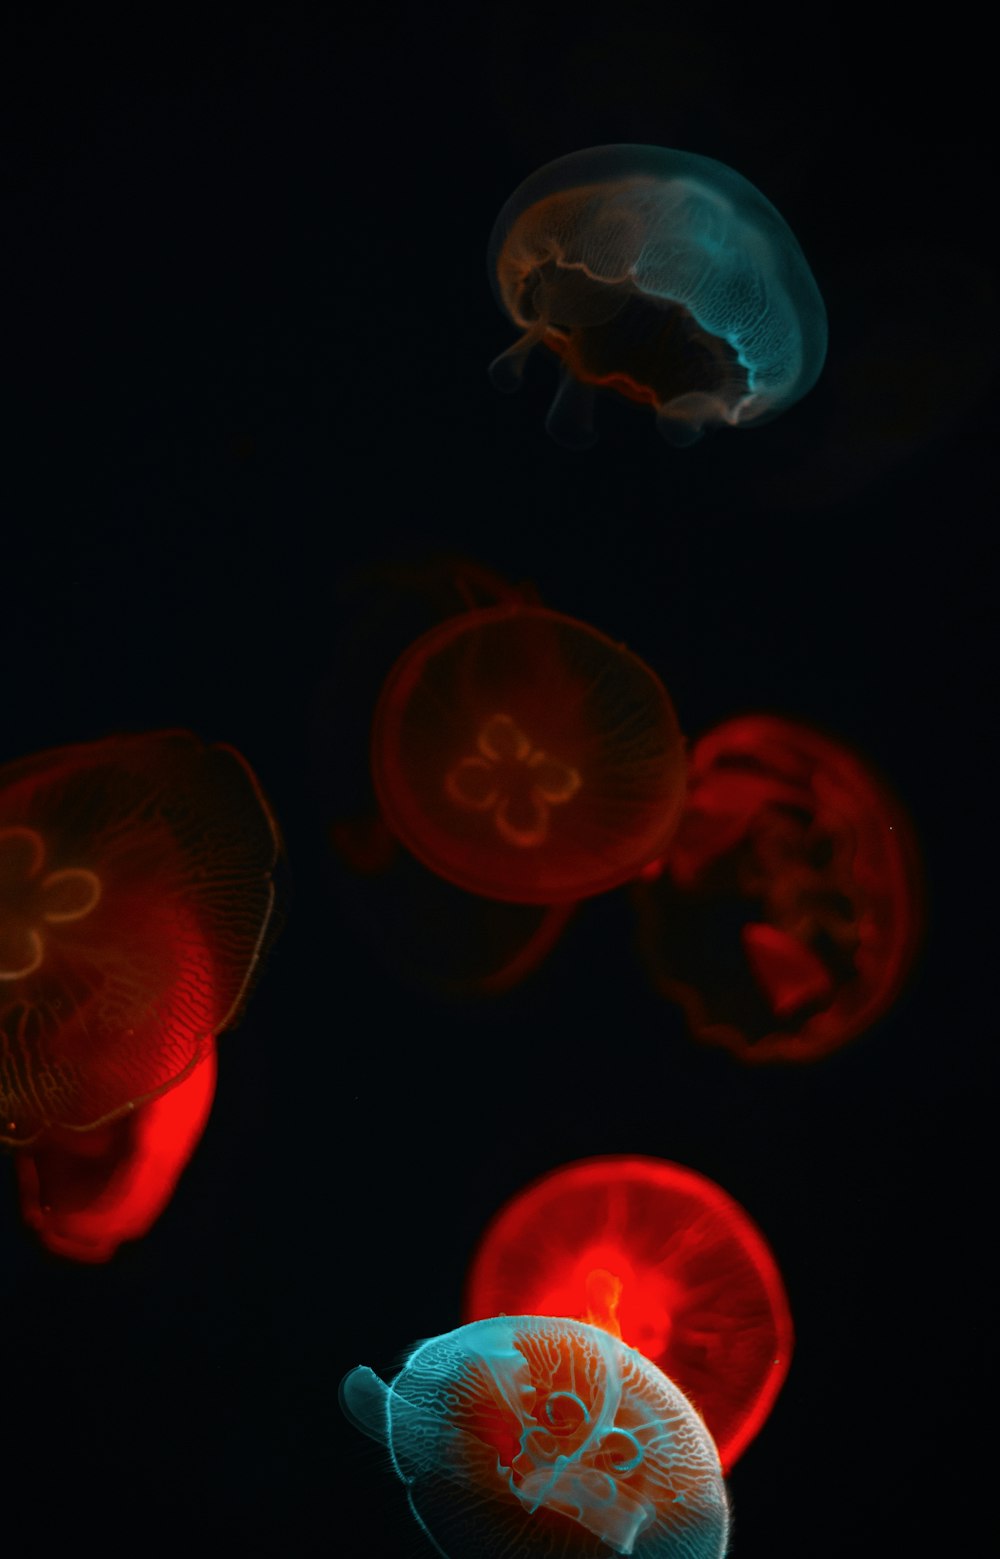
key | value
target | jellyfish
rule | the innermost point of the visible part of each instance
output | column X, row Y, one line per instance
column 661, row 1257
column 427, row 931
column 136, row 894
column 664, row 276
column 532, row 1435
column 525, row 757
column 786, row 914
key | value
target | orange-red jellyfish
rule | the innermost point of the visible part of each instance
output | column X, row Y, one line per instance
column 787, row 910
column 526, row 757
column 664, row 1259
column 428, row 932
column 136, row 893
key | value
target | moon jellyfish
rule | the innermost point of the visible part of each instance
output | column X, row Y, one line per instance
column 428, row 932
column 136, row 893
column 523, row 756
column 661, row 1257
column 527, row 1435
column 786, row 914
column 664, row 276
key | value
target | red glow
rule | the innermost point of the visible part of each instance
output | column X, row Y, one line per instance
column 525, row 757
column 431, row 934
column 84, row 1193
column 787, row 911
column 135, row 895
column 661, row 1257
column 426, row 931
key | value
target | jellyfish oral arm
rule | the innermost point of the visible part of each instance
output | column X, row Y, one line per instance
column 85, row 1193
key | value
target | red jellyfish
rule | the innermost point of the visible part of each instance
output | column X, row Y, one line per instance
column 526, row 757
column 136, row 893
column 427, row 931
column 663, row 1259
column 785, row 916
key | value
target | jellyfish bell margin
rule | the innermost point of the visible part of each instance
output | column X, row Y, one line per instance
column 86, row 1193
column 788, row 912
column 664, row 276
column 662, row 1257
column 532, row 1434
column 523, row 756
column 137, row 895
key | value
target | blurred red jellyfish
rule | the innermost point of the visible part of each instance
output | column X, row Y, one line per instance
column 136, row 893
column 664, row 1259
column 526, row 757
column 785, row 916
column 431, row 933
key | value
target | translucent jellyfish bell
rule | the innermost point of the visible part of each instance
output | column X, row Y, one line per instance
column 136, row 894
column 662, row 1257
column 527, row 1435
column 524, row 756
column 664, row 276
column 786, row 914
column 428, row 932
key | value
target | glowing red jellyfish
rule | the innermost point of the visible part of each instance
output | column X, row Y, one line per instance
column 524, row 756
column 785, row 916
column 135, row 896
column 663, row 1259
column 84, row 1193
column 427, row 931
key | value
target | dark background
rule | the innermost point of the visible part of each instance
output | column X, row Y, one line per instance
column 246, row 326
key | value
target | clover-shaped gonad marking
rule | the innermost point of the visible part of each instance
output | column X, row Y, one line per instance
column 518, row 783
column 32, row 900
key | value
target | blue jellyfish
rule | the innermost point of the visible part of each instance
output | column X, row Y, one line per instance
column 527, row 1435
column 664, row 276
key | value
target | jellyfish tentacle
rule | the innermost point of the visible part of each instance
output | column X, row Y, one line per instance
column 507, row 370
column 570, row 419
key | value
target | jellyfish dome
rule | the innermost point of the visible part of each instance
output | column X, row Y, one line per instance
column 662, row 275
column 135, row 895
column 425, row 931
column 787, row 912
column 531, row 1435
column 661, row 1257
column 524, row 756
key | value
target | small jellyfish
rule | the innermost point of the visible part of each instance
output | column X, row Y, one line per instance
column 661, row 1257
column 427, row 931
column 523, row 756
column 786, row 914
column 136, row 892
column 528, row 1435
column 664, row 276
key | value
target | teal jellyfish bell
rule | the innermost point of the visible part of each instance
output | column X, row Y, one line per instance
column 664, row 276
column 529, row 1435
